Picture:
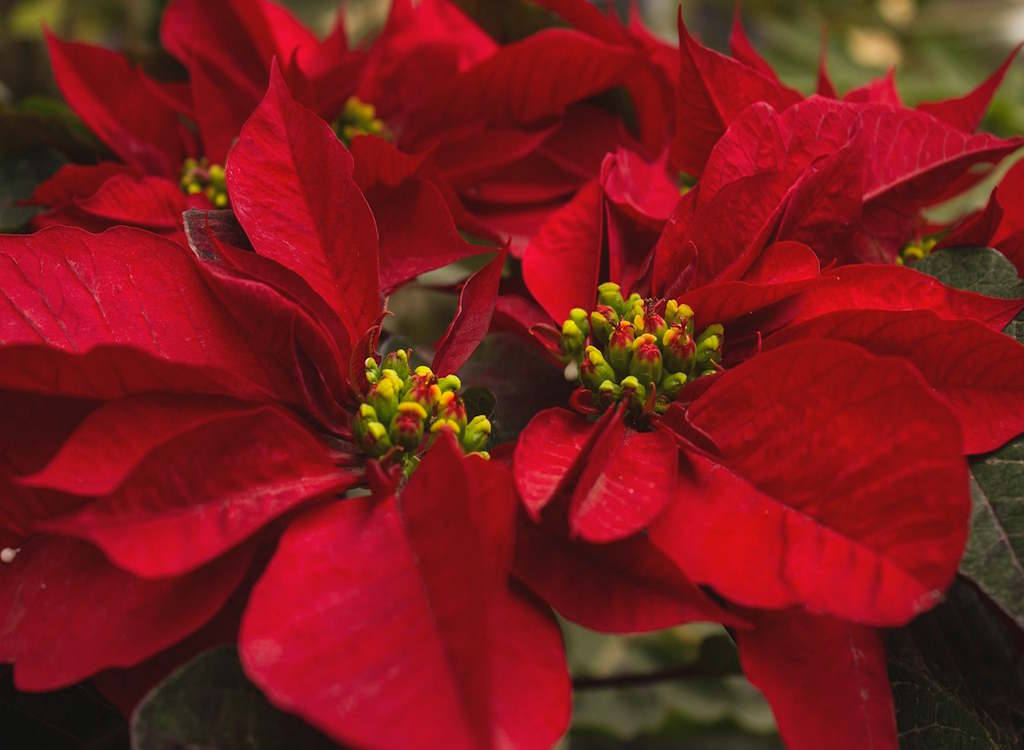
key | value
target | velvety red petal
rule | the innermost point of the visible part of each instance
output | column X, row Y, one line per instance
column 75, row 181
column 560, row 265
column 643, row 189
column 822, row 518
column 978, row 372
column 224, row 106
column 136, row 125
column 69, row 613
column 291, row 186
column 879, row 91
column 402, row 608
column 825, row 679
column 472, row 317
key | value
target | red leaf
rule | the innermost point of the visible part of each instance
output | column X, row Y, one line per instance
column 403, row 608
column 560, row 265
column 194, row 491
column 417, row 232
column 121, row 312
column 141, row 201
column 823, row 521
column 69, row 613
column 825, row 87
column 291, row 186
column 223, row 107
column 966, row 112
column 743, row 50
column 621, row 587
column 75, row 181
column 472, row 317
column 546, row 453
column 523, row 82
column 879, row 91
column 826, row 681
column 713, row 89
column 875, row 287
column 978, row 372
column 136, row 126
column 642, row 189
column 627, row 479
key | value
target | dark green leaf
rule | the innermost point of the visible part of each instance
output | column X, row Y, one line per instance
column 975, row 269
column 958, row 678
column 521, row 379
column 994, row 558
column 509, row 20
column 19, row 176
column 209, row 703
column 44, row 122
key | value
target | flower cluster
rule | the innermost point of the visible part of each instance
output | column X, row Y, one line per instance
column 213, row 432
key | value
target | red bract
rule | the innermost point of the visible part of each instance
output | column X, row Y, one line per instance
column 185, row 405
column 791, row 469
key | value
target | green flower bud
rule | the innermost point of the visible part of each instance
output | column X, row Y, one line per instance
column 579, row 316
column 646, row 364
column 450, row 383
column 384, row 395
column 407, row 425
column 620, row 347
column 610, row 294
column 594, row 370
column 654, row 324
column 477, row 433
column 633, row 392
column 398, row 361
column 450, row 406
column 679, row 349
column 609, row 392
column 375, row 440
column 709, row 347
column 372, row 370
column 671, row 384
column 600, row 327
column 572, row 340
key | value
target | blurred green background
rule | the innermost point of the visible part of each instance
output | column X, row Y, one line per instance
column 939, row 47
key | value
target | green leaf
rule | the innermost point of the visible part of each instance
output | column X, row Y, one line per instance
column 19, row 176
column 45, row 122
column 521, row 379
column 509, row 20
column 479, row 401
column 994, row 558
column 974, row 269
column 209, row 703
column 957, row 678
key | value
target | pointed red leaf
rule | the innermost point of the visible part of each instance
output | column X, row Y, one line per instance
column 966, row 112
column 875, row 287
column 823, row 521
column 198, row 489
column 223, row 108
column 546, row 454
column 136, row 125
column 825, row 87
column 743, row 50
column 978, row 372
column 472, row 317
column 642, row 189
column 560, row 265
column 141, row 201
column 291, row 186
column 68, row 613
column 75, row 181
column 628, row 478
column 122, row 312
column 825, row 679
column 879, row 91
column 713, row 89
column 621, row 587
column 392, row 624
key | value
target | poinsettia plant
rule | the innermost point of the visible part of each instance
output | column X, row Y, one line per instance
column 357, row 390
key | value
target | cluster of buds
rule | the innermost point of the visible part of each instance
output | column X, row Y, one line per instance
column 405, row 410
column 199, row 176
column 916, row 250
column 637, row 350
column 358, row 118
